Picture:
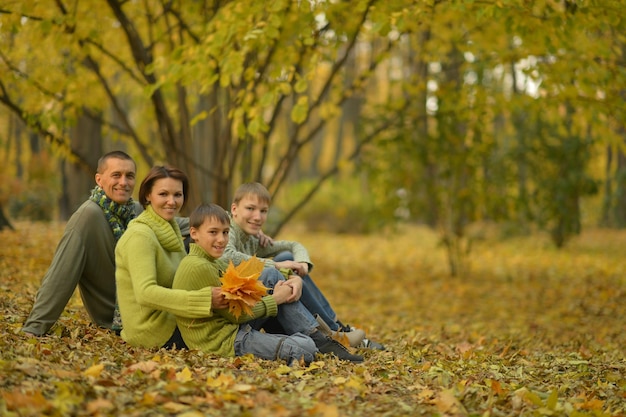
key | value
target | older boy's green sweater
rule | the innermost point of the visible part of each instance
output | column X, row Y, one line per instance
column 215, row 333
column 242, row 246
column 146, row 258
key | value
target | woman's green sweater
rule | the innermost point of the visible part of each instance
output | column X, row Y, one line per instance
column 146, row 258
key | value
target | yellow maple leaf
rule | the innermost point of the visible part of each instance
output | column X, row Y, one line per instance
column 184, row 375
column 94, row 370
column 241, row 286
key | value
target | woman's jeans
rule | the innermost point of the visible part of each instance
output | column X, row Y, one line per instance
column 312, row 297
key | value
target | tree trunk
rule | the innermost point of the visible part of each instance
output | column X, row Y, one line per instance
column 605, row 217
column 419, row 69
column 210, row 149
column 86, row 139
column 619, row 206
column 4, row 221
column 350, row 110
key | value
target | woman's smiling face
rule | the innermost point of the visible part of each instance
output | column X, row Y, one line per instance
column 166, row 197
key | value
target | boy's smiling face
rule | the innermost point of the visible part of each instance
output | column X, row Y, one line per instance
column 212, row 236
column 250, row 214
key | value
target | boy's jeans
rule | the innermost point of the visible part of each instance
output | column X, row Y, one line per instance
column 293, row 317
column 312, row 297
column 296, row 321
column 274, row 346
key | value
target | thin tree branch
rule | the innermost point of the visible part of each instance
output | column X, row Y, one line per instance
column 286, row 161
column 115, row 59
column 93, row 66
column 334, row 170
column 143, row 58
column 36, row 125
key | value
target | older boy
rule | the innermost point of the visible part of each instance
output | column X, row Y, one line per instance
column 249, row 211
column 226, row 335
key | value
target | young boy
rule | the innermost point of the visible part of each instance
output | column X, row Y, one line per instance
column 224, row 334
column 249, row 211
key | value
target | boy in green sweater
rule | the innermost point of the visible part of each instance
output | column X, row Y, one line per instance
column 224, row 334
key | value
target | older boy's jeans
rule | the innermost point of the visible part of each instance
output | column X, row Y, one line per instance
column 292, row 317
column 312, row 297
column 274, row 346
column 296, row 321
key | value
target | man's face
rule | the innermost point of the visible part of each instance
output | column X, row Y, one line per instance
column 250, row 214
column 117, row 179
column 212, row 236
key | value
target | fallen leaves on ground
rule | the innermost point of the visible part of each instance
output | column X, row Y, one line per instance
column 532, row 331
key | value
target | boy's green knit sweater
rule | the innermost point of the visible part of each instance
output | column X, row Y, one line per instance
column 146, row 259
column 215, row 333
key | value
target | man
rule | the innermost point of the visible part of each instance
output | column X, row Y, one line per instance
column 85, row 256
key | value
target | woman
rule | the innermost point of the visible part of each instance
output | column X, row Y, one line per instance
column 146, row 258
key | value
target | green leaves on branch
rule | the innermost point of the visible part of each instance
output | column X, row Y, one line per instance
column 300, row 111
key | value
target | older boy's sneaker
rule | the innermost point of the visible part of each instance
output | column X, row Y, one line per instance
column 370, row 344
column 326, row 344
column 352, row 337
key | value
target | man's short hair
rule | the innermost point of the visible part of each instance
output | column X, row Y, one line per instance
column 102, row 162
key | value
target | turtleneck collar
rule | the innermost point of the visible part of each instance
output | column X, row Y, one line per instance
column 167, row 232
column 197, row 250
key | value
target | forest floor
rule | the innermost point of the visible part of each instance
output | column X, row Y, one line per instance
column 530, row 331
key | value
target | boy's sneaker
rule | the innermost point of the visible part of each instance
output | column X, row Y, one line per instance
column 370, row 344
column 352, row 337
column 326, row 344
column 363, row 343
column 344, row 327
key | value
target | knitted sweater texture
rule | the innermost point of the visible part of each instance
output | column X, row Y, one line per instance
column 146, row 257
column 215, row 333
column 242, row 246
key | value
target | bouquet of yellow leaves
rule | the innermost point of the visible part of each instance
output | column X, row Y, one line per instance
column 241, row 286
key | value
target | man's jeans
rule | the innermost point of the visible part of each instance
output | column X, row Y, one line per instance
column 312, row 297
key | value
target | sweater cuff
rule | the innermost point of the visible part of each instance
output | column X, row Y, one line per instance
column 271, row 308
column 199, row 302
column 286, row 272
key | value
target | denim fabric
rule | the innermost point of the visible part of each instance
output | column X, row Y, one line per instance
column 274, row 346
column 312, row 297
column 293, row 317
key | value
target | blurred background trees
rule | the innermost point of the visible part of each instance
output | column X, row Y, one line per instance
column 356, row 115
